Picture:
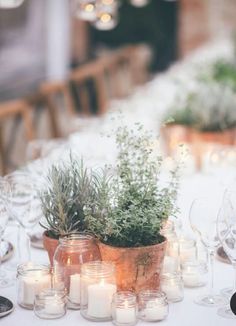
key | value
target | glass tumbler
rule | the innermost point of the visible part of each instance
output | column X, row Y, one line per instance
column 31, row 279
column 153, row 305
column 98, row 285
column 124, row 308
column 73, row 251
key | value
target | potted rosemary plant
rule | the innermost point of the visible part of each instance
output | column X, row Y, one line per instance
column 136, row 207
column 71, row 191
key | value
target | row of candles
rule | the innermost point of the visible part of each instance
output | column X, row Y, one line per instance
column 93, row 288
column 93, row 291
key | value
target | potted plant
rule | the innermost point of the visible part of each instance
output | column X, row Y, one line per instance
column 71, row 191
column 209, row 115
column 137, row 205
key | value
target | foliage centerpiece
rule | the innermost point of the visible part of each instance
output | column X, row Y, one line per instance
column 137, row 205
column 71, row 191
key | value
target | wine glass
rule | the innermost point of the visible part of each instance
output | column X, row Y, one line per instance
column 23, row 205
column 203, row 220
column 226, row 229
column 4, row 217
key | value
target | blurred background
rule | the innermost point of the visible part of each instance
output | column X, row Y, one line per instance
column 60, row 60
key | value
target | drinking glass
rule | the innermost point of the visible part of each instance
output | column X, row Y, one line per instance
column 226, row 229
column 203, row 220
column 24, row 205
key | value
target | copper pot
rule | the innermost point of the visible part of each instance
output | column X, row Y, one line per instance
column 136, row 268
column 175, row 135
column 50, row 244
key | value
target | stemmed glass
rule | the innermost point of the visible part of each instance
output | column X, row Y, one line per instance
column 226, row 229
column 4, row 217
column 23, row 205
column 203, row 220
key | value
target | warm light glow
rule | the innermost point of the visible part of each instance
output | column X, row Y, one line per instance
column 105, row 18
column 108, row 2
column 89, row 7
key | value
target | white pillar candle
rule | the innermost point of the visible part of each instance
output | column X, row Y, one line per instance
column 191, row 279
column 100, row 299
column 53, row 306
column 172, row 291
column 32, row 285
column 155, row 313
column 74, row 293
column 126, row 315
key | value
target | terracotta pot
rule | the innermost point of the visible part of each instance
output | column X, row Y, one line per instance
column 201, row 140
column 225, row 137
column 50, row 245
column 175, row 135
column 136, row 268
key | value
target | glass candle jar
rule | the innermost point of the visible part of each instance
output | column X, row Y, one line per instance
column 31, row 279
column 106, row 16
column 98, row 284
column 72, row 252
column 50, row 304
column 194, row 274
column 124, row 308
column 172, row 286
column 187, row 249
column 153, row 305
column 170, row 265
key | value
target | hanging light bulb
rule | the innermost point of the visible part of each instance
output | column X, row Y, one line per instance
column 107, row 13
column 9, row 4
column 85, row 9
column 139, row 3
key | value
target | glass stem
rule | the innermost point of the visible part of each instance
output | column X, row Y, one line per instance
column 19, row 241
column 234, row 267
column 211, row 265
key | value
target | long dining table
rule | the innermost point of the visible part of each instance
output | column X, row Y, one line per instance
column 146, row 105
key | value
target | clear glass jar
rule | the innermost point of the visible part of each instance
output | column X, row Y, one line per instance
column 86, row 9
column 172, row 285
column 50, row 304
column 73, row 251
column 194, row 274
column 187, row 249
column 98, row 285
column 153, row 305
column 31, row 279
column 170, row 264
column 124, row 308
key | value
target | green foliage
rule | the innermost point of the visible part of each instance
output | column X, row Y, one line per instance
column 211, row 106
column 138, row 204
column 224, row 72
column 71, row 191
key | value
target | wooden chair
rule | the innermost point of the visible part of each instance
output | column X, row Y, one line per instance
column 12, row 110
column 94, row 72
column 49, row 94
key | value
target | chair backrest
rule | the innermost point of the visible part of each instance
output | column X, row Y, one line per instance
column 49, row 92
column 92, row 72
column 13, row 110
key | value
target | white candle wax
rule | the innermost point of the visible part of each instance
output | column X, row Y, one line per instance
column 100, row 299
column 172, row 291
column 32, row 285
column 125, row 315
column 74, row 293
column 191, row 279
column 53, row 306
column 156, row 312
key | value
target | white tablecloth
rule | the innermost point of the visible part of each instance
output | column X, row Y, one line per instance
column 146, row 105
